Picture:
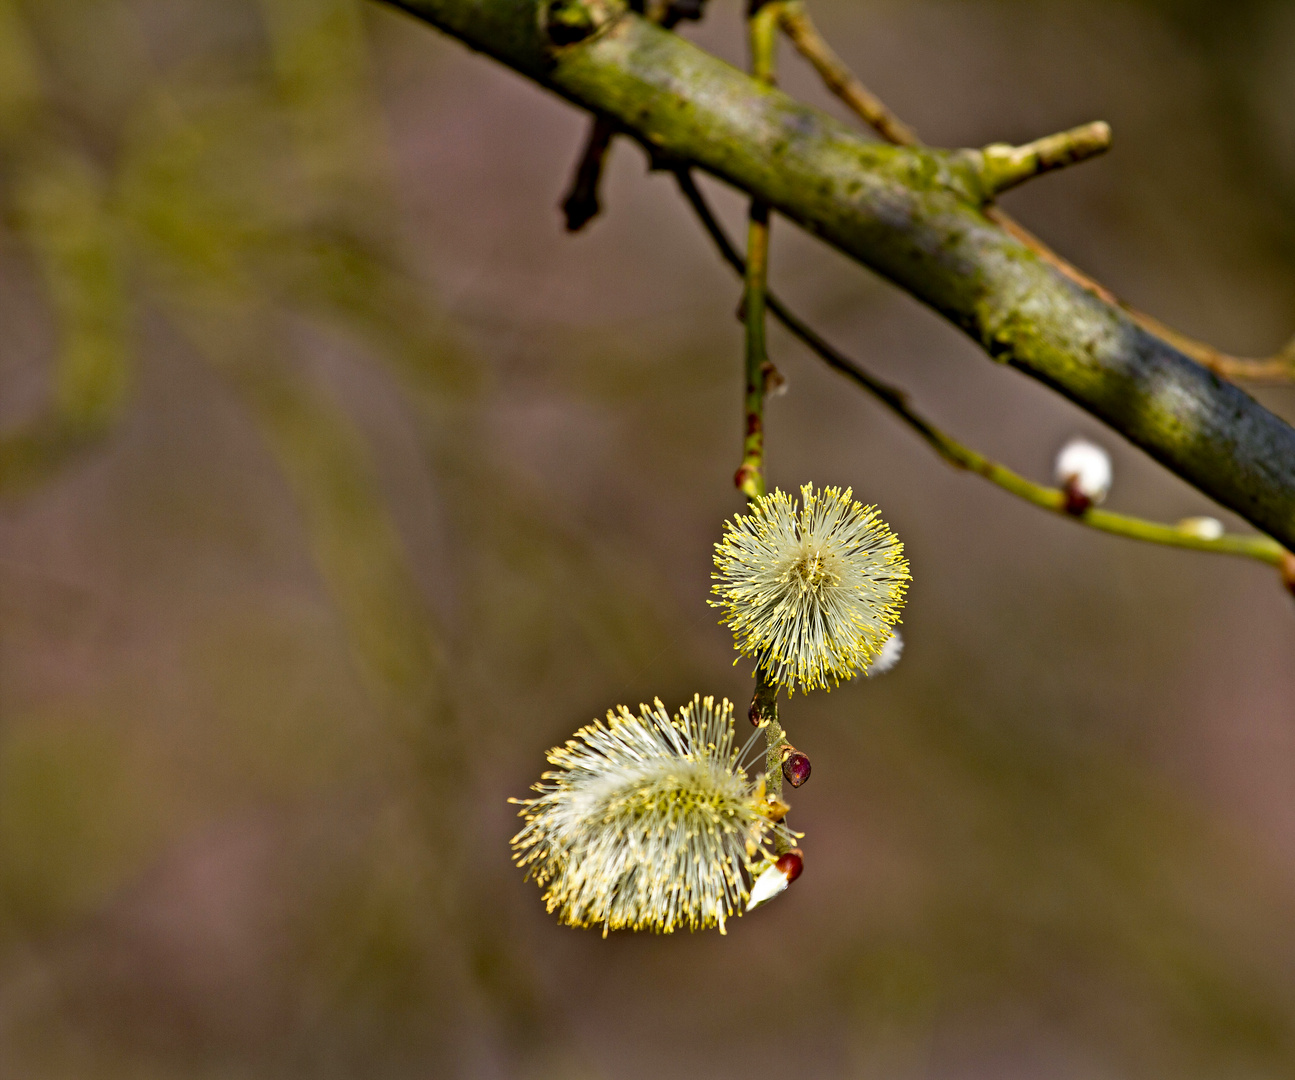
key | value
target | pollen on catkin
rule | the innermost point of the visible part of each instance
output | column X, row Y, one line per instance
column 811, row 591
column 649, row 822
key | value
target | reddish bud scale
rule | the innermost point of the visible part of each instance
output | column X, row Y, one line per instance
column 795, row 768
column 1288, row 571
column 745, row 478
column 1076, row 501
column 791, row 864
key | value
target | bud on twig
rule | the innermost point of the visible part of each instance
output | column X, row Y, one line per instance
column 1083, row 470
column 1004, row 166
column 569, row 22
column 776, row 877
column 888, row 655
column 1288, row 571
column 774, row 809
column 791, row 864
column 1203, row 528
column 775, row 382
column 795, row 766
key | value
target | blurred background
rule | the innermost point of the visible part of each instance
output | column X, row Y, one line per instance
column 337, row 483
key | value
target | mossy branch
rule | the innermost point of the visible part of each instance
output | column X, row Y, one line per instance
column 800, row 28
column 914, row 215
column 1262, row 548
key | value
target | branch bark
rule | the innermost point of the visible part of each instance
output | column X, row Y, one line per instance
column 915, row 215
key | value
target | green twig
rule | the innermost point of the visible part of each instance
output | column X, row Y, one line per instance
column 750, row 474
column 841, row 81
column 838, row 78
column 1004, row 166
column 763, row 29
column 1262, row 548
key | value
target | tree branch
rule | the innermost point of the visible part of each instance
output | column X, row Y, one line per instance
column 916, row 216
column 1262, row 548
column 797, row 25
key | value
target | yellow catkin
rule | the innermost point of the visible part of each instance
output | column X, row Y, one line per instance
column 648, row 822
column 811, row 591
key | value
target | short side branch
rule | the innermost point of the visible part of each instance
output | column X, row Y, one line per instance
column 802, row 32
column 1005, row 166
column 581, row 204
column 915, row 216
column 1262, row 548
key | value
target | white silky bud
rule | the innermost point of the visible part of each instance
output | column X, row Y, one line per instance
column 1083, row 469
column 888, row 656
column 775, row 879
column 1203, row 528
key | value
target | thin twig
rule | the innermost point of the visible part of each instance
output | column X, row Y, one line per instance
column 840, row 80
column 1004, row 166
column 762, row 26
column 1262, row 548
column 1278, row 368
column 581, row 204
column 749, row 477
column 798, row 26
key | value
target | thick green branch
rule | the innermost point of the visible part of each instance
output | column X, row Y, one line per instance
column 912, row 214
column 1262, row 548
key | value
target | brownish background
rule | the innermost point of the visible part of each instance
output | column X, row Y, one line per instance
column 408, row 484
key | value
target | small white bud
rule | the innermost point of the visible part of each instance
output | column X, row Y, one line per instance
column 888, row 656
column 1083, row 469
column 766, row 887
column 775, row 879
column 775, row 382
column 1203, row 528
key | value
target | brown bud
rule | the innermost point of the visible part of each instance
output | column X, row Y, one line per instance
column 755, row 715
column 795, row 767
column 1077, row 501
column 791, row 864
column 775, row 383
column 1288, row 571
column 568, row 22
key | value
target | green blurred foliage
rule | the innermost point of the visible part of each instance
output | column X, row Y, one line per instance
column 343, row 557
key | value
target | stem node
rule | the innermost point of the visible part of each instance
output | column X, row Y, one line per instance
column 1003, row 166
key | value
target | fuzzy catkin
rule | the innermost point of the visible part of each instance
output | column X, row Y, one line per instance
column 813, row 591
column 648, row 822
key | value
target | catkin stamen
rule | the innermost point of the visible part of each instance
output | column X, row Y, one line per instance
column 649, row 822
column 812, row 592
